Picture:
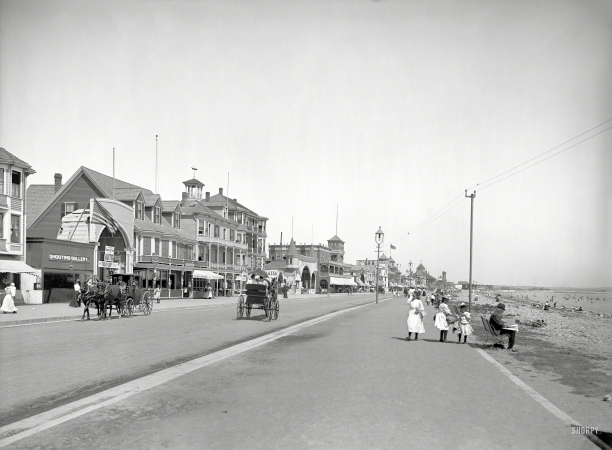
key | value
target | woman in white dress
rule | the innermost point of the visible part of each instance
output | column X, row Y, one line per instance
column 415, row 317
column 440, row 321
column 8, row 304
column 464, row 327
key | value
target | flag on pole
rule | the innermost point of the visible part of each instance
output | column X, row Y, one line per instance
column 102, row 216
column 393, row 247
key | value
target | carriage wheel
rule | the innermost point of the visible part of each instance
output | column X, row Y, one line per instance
column 129, row 307
column 275, row 311
column 240, row 307
column 146, row 303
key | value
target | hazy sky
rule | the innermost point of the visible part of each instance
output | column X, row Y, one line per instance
column 387, row 109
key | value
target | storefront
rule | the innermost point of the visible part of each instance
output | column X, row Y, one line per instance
column 61, row 264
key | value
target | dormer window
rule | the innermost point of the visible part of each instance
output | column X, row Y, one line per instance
column 177, row 220
column 157, row 216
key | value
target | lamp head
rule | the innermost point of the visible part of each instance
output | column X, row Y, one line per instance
column 379, row 236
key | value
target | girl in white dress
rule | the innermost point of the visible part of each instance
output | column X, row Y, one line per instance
column 440, row 321
column 8, row 303
column 415, row 317
column 464, row 328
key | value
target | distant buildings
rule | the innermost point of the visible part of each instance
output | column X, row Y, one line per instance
column 94, row 224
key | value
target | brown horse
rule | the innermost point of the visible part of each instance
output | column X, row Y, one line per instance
column 112, row 296
column 94, row 295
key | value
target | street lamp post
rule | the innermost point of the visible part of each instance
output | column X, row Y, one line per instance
column 378, row 237
column 410, row 274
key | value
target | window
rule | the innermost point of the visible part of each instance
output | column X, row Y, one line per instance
column 16, row 184
column 201, row 226
column 15, row 229
column 68, row 207
column 232, row 235
column 216, row 231
column 165, row 248
column 156, row 249
column 138, row 213
column 1, row 181
column 177, row 220
column 146, row 245
column 1, row 225
column 157, row 219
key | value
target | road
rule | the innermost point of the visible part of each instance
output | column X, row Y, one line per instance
column 350, row 381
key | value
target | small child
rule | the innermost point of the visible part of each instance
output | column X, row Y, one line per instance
column 464, row 327
column 157, row 293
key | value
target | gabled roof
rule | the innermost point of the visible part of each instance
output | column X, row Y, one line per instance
column 383, row 257
column 106, row 183
column 222, row 200
column 152, row 199
column 335, row 239
column 195, row 206
column 170, row 205
column 7, row 157
column 38, row 195
column 127, row 194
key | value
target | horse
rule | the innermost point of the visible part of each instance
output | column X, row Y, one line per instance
column 112, row 296
column 93, row 295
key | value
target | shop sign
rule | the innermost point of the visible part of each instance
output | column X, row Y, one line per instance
column 68, row 258
column 108, row 264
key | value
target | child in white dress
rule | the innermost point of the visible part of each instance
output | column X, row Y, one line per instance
column 440, row 321
column 464, row 328
column 415, row 317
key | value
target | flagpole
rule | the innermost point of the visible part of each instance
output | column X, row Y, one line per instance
column 113, row 173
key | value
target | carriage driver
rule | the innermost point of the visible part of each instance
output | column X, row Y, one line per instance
column 122, row 284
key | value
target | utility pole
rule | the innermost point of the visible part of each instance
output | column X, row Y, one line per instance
column 471, row 196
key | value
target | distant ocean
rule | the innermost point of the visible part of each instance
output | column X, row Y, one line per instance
column 590, row 300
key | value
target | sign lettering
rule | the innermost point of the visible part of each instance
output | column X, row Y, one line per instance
column 68, row 258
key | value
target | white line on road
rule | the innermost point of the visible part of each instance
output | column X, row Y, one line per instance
column 541, row 400
column 32, row 425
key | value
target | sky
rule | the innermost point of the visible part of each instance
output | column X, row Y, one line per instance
column 358, row 114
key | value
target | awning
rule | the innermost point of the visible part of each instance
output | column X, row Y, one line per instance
column 341, row 281
column 17, row 267
column 360, row 283
column 206, row 274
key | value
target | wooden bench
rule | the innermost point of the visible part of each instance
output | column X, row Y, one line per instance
column 491, row 333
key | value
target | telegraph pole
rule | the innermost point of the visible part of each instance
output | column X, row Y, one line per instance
column 471, row 196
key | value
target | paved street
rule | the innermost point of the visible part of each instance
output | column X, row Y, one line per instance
column 351, row 381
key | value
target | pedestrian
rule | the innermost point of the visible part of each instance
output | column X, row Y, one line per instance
column 157, row 293
column 75, row 302
column 285, row 290
column 415, row 317
column 8, row 303
column 463, row 327
column 441, row 319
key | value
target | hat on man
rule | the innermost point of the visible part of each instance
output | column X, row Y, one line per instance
column 462, row 305
column 501, row 306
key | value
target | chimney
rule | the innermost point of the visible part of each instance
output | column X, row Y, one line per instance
column 220, row 191
column 208, row 196
column 58, row 181
column 235, row 200
column 184, row 199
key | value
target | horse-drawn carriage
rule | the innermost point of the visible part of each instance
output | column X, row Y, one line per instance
column 258, row 296
column 123, row 292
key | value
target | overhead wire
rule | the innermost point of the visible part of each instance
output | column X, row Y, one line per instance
column 484, row 184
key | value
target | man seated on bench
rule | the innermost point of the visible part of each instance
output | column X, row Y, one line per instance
column 498, row 324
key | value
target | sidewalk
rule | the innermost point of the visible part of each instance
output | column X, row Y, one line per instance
column 54, row 312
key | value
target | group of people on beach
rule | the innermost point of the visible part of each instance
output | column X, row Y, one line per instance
column 443, row 320
column 459, row 322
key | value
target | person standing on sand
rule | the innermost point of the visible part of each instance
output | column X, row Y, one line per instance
column 415, row 317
